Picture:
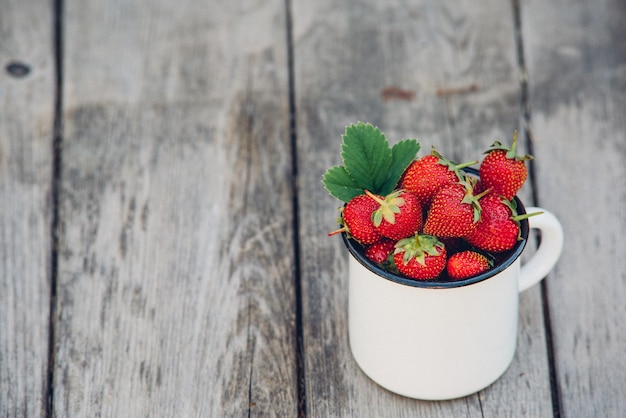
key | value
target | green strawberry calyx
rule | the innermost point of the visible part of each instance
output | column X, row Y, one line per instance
column 470, row 198
column 418, row 247
column 452, row 166
column 510, row 152
column 389, row 206
column 512, row 205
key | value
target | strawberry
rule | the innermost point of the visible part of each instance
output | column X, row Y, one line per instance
column 380, row 251
column 502, row 170
column 425, row 176
column 399, row 215
column 466, row 264
column 420, row 257
column 454, row 211
column 356, row 219
column 498, row 229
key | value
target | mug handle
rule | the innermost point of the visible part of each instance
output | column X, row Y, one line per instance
column 549, row 251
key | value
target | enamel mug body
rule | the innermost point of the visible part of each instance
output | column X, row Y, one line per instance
column 437, row 341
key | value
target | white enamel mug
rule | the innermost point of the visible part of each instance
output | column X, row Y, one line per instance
column 437, row 341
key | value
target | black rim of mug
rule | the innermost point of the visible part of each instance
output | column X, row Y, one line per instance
column 507, row 258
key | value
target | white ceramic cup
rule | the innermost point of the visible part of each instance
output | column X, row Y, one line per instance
column 437, row 341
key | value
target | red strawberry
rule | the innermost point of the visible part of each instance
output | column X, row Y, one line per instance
column 425, row 176
column 454, row 211
column 399, row 215
column 357, row 220
column 420, row 257
column 498, row 228
column 502, row 170
column 466, row 264
column 380, row 251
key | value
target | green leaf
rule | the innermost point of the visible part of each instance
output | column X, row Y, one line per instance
column 402, row 155
column 369, row 163
column 340, row 184
column 366, row 156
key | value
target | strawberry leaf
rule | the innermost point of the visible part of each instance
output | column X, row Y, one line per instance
column 369, row 163
column 402, row 154
column 340, row 184
column 366, row 155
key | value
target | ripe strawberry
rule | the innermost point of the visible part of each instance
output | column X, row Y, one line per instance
column 380, row 251
column 399, row 215
column 425, row 176
column 502, row 170
column 356, row 219
column 454, row 211
column 498, row 229
column 466, row 264
column 420, row 257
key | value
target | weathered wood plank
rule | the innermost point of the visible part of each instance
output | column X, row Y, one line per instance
column 446, row 74
column 576, row 58
column 26, row 126
column 176, row 270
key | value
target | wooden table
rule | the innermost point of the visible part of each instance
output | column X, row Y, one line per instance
column 163, row 247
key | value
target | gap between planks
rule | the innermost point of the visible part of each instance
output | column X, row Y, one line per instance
column 57, row 161
column 293, row 137
column 529, row 142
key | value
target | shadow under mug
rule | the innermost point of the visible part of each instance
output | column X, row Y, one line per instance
column 444, row 340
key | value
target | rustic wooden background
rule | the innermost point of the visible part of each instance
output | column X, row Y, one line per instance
column 163, row 247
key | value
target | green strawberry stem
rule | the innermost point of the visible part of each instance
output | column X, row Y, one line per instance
column 518, row 218
column 338, row 231
column 484, row 193
column 343, row 228
column 459, row 167
column 451, row 165
column 456, row 168
column 525, row 216
column 512, row 205
column 510, row 152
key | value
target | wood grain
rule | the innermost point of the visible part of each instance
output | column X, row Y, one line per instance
column 176, row 269
column 177, row 288
column 576, row 58
column 458, row 64
column 26, row 125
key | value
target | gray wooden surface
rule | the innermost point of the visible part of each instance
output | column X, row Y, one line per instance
column 27, row 90
column 163, row 247
column 577, row 89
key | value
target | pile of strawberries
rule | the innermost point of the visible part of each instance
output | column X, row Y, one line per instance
column 441, row 223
